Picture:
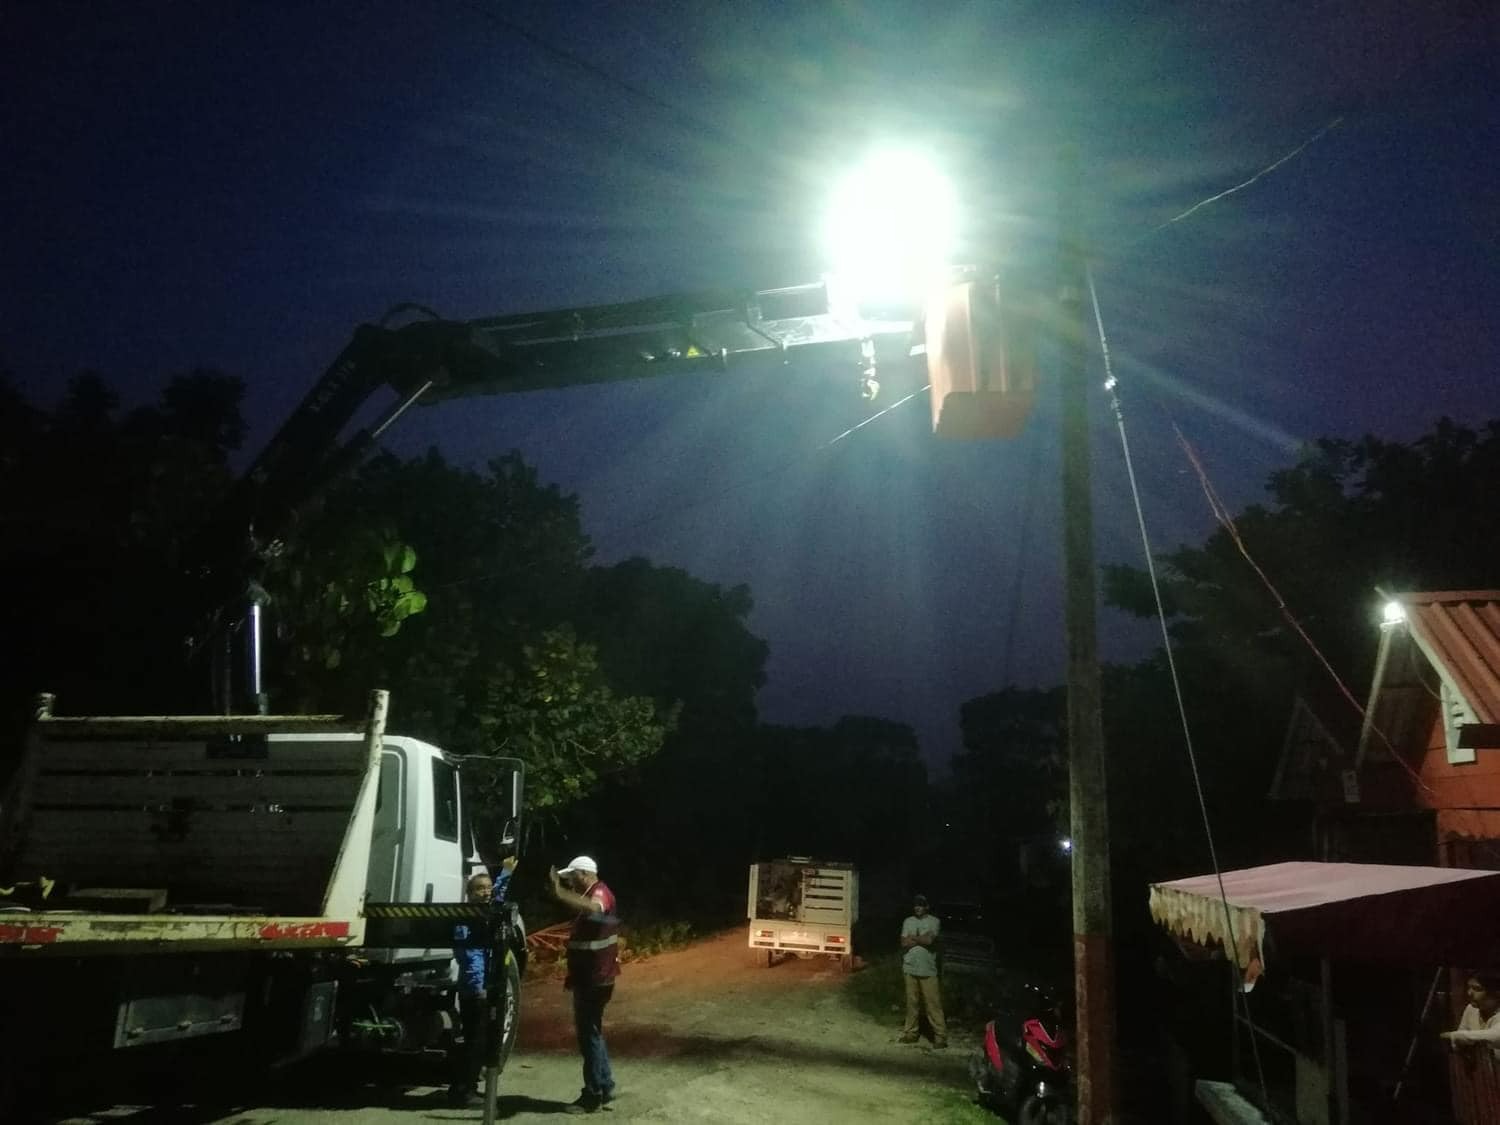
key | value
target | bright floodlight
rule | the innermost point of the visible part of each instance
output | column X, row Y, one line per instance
column 1393, row 614
column 892, row 227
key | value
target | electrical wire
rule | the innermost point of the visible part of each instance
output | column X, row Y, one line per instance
column 1013, row 615
column 1266, row 171
column 1111, row 384
column 1463, row 29
column 692, row 121
column 831, row 442
column 1226, row 521
column 713, row 497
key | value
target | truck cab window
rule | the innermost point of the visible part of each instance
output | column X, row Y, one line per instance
column 444, row 801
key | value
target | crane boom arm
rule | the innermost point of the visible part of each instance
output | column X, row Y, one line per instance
column 432, row 360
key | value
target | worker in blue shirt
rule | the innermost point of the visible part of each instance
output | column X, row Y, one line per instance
column 472, row 952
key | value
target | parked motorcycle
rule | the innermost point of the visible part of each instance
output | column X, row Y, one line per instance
column 1025, row 1075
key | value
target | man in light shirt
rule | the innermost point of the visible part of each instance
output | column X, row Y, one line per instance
column 919, row 935
column 1479, row 1026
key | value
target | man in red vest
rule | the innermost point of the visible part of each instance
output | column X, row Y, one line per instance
column 593, row 964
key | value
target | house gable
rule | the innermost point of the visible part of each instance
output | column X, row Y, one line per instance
column 1433, row 709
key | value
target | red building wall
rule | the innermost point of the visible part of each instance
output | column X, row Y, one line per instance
column 1466, row 801
column 1466, row 797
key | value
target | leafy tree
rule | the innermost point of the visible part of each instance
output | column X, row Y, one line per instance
column 97, row 508
column 680, row 827
column 106, row 515
column 556, row 714
column 1347, row 518
column 1009, row 786
column 663, row 633
column 362, row 583
column 456, row 588
column 809, row 777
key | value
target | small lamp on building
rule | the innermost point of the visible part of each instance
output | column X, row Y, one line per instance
column 1392, row 614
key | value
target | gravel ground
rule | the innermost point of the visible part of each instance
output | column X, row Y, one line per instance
column 695, row 1035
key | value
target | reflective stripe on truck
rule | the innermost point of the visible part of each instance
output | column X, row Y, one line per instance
column 116, row 932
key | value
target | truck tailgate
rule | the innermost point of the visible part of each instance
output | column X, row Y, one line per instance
column 238, row 831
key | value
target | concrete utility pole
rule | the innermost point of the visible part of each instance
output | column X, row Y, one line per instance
column 1093, row 929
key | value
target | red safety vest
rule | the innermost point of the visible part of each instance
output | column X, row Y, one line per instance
column 594, row 944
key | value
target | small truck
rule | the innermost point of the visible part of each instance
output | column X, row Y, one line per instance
column 264, row 886
column 805, row 907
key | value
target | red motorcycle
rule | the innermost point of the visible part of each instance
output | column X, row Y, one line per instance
column 1026, row 1076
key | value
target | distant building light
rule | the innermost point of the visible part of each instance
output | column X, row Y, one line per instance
column 1067, row 844
column 1393, row 614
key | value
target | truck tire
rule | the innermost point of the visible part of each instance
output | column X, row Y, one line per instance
column 510, row 1013
column 762, row 958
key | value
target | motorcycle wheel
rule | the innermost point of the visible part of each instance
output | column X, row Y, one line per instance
column 1044, row 1111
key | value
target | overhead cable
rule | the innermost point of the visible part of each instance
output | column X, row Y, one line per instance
column 1111, row 385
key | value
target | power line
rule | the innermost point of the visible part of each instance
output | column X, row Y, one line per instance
column 1266, row 171
column 713, row 497
column 1033, row 470
column 598, row 73
column 1231, row 944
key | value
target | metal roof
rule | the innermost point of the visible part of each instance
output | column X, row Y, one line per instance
column 1459, row 631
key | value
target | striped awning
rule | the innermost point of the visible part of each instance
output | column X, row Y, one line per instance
column 1358, row 911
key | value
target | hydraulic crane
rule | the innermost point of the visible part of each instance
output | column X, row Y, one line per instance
column 981, row 381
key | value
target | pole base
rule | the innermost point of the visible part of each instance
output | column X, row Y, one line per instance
column 1094, row 987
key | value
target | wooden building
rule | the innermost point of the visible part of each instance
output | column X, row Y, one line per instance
column 1410, row 781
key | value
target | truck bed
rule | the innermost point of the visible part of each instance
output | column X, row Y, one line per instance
column 207, row 831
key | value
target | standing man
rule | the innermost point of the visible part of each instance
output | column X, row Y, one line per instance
column 593, row 964
column 471, row 951
column 919, row 934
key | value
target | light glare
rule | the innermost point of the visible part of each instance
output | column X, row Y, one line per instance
column 1394, row 613
column 892, row 227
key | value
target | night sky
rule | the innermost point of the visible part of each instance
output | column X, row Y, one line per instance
column 240, row 185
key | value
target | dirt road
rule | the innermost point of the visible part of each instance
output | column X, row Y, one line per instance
column 697, row 1035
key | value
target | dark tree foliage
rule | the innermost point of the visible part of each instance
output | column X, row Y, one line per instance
column 1349, row 518
column 97, row 508
column 1006, row 798
column 663, row 633
column 678, row 825
column 1346, row 519
column 629, row 690
column 855, row 791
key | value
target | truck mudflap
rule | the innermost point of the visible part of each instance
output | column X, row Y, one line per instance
column 70, row 934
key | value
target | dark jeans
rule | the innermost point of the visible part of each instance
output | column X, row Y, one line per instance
column 467, row 1057
column 588, row 1020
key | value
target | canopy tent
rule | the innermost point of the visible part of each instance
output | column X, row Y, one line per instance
column 1398, row 915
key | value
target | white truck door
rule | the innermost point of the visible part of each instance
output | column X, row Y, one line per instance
column 382, row 882
column 443, row 880
column 428, row 865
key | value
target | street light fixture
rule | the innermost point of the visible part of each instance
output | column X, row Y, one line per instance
column 892, row 228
